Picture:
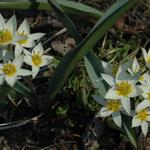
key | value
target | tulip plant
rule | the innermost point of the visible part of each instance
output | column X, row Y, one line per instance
column 123, row 93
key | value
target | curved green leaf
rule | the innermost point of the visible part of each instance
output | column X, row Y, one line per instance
column 69, row 7
column 128, row 130
column 72, row 58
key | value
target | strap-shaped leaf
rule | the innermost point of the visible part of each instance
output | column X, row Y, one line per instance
column 93, row 61
column 126, row 121
column 72, row 58
column 69, row 7
column 22, row 89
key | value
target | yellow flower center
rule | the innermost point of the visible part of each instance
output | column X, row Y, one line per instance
column 142, row 115
column 113, row 105
column 123, row 88
column 36, row 59
column 24, row 41
column 5, row 37
column 9, row 69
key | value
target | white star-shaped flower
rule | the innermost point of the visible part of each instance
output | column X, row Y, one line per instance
column 10, row 70
column 141, row 118
column 24, row 30
column 123, row 88
column 36, row 59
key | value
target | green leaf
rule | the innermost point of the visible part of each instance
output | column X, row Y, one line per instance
column 22, row 89
column 75, row 34
column 94, row 68
column 72, row 58
column 4, row 90
column 128, row 130
column 69, row 7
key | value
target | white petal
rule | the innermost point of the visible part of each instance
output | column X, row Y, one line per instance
column 18, row 38
column 107, row 67
column 134, row 92
column 38, row 49
column 35, row 71
column 148, row 54
column 135, row 65
column 18, row 50
column 109, row 79
column 136, row 122
column 29, row 44
column 104, row 112
column 117, row 118
column 144, row 128
column 111, row 94
column 2, row 22
column 24, row 72
column 126, row 104
column 144, row 53
column 144, row 104
column 26, row 52
column 46, row 60
column 36, row 36
column 11, row 80
column 18, row 61
column 24, row 27
column 11, row 24
column 28, row 60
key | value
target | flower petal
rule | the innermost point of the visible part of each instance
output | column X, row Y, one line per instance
column 18, row 50
column 36, row 36
column 135, row 65
column 11, row 24
column 111, row 94
column 117, row 118
column 46, row 60
column 18, row 61
column 144, row 128
column 109, row 79
column 28, row 60
column 38, row 49
column 24, row 72
column 11, row 80
column 28, row 44
column 144, row 53
column 24, row 27
column 104, row 112
column 35, row 71
column 144, row 104
column 2, row 22
column 126, row 104
column 136, row 122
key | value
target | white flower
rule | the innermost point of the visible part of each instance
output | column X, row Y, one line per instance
column 141, row 118
column 37, row 59
column 110, row 69
column 146, row 57
column 10, row 70
column 144, row 79
column 24, row 30
column 145, row 87
column 135, row 67
column 7, row 31
column 123, row 87
column 111, row 107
